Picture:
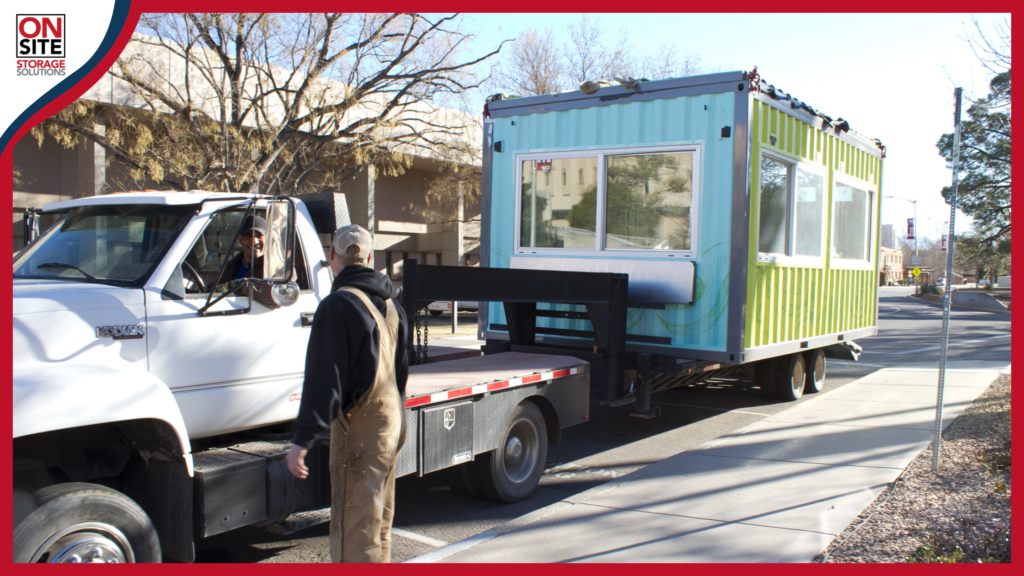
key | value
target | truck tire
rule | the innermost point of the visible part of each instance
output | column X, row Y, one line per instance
column 85, row 523
column 815, row 360
column 792, row 375
column 511, row 472
column 766, row 378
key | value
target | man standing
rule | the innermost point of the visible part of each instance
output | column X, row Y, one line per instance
column 356, row 368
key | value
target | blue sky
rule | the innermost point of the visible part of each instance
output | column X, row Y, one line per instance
column 890, row 75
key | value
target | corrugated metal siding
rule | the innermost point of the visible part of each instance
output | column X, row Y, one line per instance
column 696, row 119
column 787, row 303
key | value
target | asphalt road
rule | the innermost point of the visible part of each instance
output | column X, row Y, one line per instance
column 429, row 515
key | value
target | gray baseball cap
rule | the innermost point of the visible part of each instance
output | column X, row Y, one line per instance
column 353, row 235
column 256, row 223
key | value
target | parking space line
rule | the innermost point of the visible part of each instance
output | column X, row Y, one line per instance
column 419, row 538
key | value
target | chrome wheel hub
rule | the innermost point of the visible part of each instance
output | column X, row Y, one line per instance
column 93, row 543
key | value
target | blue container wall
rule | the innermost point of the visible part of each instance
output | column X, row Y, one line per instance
column 686, row 120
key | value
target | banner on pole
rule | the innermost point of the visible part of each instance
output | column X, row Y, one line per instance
column 944, row 238
column 910, row 228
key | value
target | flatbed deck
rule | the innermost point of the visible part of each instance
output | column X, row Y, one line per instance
column 434, row 383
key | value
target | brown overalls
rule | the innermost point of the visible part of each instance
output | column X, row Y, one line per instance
column 365, row 442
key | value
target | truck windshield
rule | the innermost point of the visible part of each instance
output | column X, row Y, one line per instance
column 118, row 245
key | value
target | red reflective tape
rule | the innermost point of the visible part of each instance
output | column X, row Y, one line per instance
column 417, row 401
column 560, row 373
column 463, row 392
column 295, row 397
column 497, row 385
column 528, row 379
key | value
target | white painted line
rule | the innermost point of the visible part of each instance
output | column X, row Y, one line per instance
column 852, row 363
column 930, row 348
column 419, row 538
column 459, row 546
column 710, row 408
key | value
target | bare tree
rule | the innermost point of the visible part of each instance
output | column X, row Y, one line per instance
column 278, row 103
column 666, row 63
column 993, row 48
column 533, row 66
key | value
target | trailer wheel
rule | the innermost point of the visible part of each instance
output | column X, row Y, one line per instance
column 815, row 360
column 85, row 523
column 511, row 472
column 791, row 377
column 765, row 375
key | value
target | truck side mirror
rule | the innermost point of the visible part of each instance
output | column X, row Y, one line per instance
column 279, row 255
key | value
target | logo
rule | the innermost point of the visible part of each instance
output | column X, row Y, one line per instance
column 121, row 332
column 449, row 418
column 39, row 44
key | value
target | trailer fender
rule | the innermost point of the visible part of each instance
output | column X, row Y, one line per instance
column 64, row 397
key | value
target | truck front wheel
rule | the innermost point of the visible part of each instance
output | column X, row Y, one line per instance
column 512, row 471
column 85, row 523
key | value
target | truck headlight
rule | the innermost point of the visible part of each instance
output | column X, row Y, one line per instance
column 285, row 294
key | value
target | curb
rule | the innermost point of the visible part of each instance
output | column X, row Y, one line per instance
column 937, row 305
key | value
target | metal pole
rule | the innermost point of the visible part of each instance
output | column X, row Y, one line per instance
column 455, row 317
column 949, row 267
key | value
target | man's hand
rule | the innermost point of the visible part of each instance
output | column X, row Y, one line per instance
column 296, row 462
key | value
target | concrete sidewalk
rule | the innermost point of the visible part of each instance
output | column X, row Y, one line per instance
column 779, row 490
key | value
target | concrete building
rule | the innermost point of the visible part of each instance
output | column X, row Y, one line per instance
column 51, row 173
column 888, row 236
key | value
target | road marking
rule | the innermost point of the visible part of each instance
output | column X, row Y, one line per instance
column 419, row 538
column 930, row 348
column 453, row 549
column 709, row 408
column 852, row 363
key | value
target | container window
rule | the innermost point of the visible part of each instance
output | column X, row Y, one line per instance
column 810, row 209
column 851, row 222
column 771, row 235
column 566, row 220
column 791, row 214
column 649, row 197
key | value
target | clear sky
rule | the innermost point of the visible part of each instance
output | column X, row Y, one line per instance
column 890, row 75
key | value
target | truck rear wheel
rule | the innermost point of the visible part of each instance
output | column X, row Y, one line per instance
column 85, row 523
column 815, row 360
column 512, row 471
column 791, row 377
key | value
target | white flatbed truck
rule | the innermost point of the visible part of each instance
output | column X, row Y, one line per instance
column 152, row 410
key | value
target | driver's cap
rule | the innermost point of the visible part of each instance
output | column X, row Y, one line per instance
column 353, row 235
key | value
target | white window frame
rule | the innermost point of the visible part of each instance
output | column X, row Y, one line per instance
column 789, row 258
column 599, row 233
column 870, row 248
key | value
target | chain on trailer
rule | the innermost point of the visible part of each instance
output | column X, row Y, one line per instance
column 423, row 324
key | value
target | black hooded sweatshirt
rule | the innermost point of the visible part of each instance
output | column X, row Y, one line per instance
column 343, row 350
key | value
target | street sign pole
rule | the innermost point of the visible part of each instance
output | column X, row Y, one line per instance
column 947, row 295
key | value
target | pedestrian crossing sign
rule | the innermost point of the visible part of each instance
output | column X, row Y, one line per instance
column 916, row 271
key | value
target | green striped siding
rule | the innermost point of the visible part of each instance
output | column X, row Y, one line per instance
column 788, row 303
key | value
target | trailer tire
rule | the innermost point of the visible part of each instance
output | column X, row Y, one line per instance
column 792, row 375
column 815, row 360
column 79, row 522
column 766, row 379
column 511, row 472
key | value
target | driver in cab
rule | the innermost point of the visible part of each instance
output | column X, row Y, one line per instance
column 250, row 261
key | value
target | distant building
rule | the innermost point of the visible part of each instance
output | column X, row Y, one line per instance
column 888, row 236
column 890, row 265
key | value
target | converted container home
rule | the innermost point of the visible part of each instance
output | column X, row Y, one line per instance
column 746, row 220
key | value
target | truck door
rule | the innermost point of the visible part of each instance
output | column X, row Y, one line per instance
column 227, row 372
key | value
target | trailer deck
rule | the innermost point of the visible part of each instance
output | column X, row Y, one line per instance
column 442, row 381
